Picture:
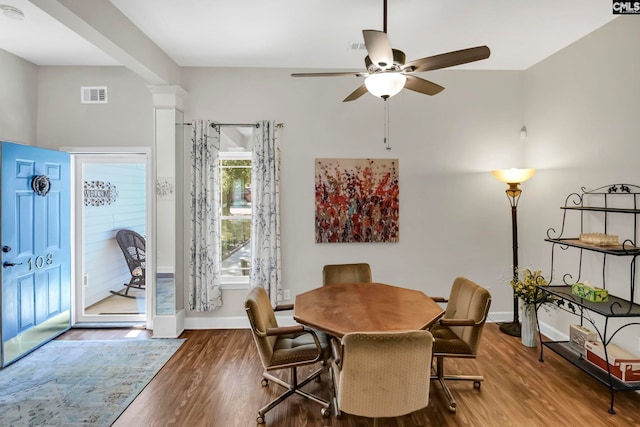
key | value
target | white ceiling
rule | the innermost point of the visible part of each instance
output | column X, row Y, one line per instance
column 317, row 34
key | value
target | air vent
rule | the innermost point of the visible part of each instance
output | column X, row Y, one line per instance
column 93, row 95
column 357, row 46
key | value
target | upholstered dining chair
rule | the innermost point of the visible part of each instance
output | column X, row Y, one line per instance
column 382, row 374
column 346, row 273
column 287, row 347
column 458, row 332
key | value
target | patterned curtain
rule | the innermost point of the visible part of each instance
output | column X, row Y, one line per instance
column 204, row 277
column 265, row 227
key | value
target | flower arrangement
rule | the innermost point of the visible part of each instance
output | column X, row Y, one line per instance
column 526, row 288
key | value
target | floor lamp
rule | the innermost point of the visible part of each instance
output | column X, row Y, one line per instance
column 513, row 178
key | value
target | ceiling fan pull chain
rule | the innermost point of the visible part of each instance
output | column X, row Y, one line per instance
column 386, row 124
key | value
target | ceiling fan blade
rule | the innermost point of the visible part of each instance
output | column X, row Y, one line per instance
column 378, row 47
column 423, row 86
column 448, row 59
column 331, row 74
column 356, row 94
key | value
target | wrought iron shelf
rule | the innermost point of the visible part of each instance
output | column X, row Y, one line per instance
column 601, row 209
column 618, row 250
column 599, row 200
column 614, row 307
column 563, row 348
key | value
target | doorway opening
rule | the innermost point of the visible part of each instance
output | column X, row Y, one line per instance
column 112, row 198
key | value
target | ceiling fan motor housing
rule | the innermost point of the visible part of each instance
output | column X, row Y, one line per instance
column 399, row 59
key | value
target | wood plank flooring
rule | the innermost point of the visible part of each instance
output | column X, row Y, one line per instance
column 214, row 380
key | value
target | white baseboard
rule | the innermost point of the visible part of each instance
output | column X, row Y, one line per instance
column 286, row 319
column 230, row 322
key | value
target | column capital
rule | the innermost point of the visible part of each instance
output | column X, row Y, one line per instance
column 168, row 96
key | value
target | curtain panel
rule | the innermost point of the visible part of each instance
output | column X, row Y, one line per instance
column 204, row 266
column 265, row 230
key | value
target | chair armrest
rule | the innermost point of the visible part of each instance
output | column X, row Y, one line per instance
column 283, row 307
column 336, row 351
column 439, row 299
column 457, row 322
column 283, row 330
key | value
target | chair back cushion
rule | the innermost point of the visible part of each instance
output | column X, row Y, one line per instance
column 468, row 300
column 384, row 374
column 346, row 273
column 261, row 318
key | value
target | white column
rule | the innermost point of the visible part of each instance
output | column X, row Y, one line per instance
column 168, row 310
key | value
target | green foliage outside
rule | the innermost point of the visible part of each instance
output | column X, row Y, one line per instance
column 235, row 182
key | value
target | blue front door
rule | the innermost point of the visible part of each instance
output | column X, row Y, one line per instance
column 35, row 236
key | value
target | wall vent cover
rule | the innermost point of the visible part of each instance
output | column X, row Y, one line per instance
column 93, row 95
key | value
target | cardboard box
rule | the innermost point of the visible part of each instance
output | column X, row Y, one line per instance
column 578, row 335
column 623, row 365
column 590, row 293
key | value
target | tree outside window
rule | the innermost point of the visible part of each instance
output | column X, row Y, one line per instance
column 235, row 198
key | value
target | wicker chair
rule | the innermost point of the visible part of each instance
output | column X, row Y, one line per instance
column 132, row 245
column 346, row 273
column 382, row 374
column 287, row 347
column 458, row 332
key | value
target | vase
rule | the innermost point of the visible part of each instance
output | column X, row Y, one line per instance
column 529, row 325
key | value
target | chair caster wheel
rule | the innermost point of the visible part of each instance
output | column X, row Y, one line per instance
column 325, row 412
column 264, row 382
column 452, row 408
column 260, row 419
column 477, row 384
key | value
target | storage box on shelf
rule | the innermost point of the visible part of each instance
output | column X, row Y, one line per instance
column 622, row 365
column 578, row 336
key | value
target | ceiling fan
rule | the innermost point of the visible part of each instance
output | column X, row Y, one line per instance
column 387, row 73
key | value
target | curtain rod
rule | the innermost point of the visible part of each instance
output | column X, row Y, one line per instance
column 213, row 125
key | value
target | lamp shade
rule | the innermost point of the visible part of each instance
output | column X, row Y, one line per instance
column 513, row 175
column 385, row 85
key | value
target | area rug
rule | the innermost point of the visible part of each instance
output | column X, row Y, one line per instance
column 79, row 383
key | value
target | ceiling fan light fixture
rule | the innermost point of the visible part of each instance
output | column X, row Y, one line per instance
column 385, row 85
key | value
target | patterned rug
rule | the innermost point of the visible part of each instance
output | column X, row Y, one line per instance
column 79, row 383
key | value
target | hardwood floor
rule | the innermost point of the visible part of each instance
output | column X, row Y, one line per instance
column 214, row 380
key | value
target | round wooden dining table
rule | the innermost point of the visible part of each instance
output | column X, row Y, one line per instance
column 341, row 308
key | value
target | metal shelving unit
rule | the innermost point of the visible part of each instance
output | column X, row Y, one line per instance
column 615, row 308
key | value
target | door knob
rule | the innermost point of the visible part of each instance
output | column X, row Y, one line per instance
column 7, row 264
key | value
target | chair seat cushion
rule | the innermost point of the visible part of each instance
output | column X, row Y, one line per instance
column 445, row 341
column 296, row 348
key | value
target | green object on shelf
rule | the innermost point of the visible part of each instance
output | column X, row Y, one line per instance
column 589, row 292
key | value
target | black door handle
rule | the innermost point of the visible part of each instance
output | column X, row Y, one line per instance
column 7, row 264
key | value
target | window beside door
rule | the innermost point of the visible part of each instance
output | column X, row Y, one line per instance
column 236, row 144
column 235, row 216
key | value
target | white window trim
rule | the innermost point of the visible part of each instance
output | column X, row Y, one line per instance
column 237, row 282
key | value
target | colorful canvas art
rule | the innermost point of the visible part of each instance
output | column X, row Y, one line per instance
column 357, row 200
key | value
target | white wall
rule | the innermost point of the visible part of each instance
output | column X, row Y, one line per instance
column 127, row 120
column 581, row 110
column 18, row 99
column 454, row 216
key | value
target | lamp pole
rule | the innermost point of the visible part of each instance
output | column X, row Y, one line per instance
column 513, row 328
column 513, row 178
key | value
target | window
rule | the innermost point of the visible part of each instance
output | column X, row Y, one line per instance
column 235, row 216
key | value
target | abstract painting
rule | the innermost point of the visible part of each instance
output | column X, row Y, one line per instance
column 357, row 200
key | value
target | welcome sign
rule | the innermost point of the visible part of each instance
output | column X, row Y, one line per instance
column 99, row 193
